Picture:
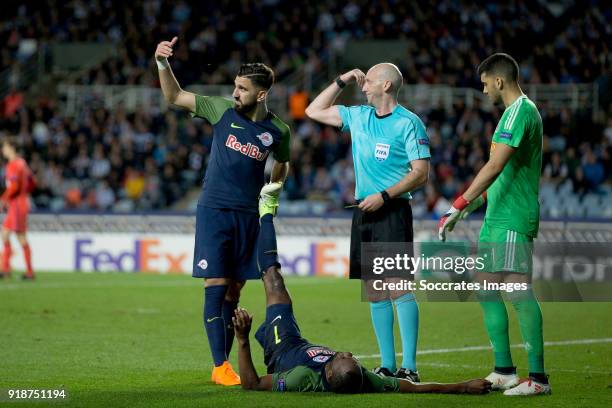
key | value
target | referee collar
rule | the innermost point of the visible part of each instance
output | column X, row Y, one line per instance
column 385, row 115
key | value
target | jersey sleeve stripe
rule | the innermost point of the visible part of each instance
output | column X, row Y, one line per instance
column 507, row 119
column 515, row 114
column 513, row 110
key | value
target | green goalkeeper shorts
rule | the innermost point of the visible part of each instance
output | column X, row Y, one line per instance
column 504, row 250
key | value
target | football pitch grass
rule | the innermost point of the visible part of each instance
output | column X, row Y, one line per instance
column 136, row 340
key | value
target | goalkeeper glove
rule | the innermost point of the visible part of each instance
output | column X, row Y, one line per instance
column 268, row 198
column 460, row 209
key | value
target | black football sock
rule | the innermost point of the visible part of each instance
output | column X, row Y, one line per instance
column 505, row 370
column 539, row 377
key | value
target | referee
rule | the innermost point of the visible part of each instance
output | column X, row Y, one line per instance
column 391, row 158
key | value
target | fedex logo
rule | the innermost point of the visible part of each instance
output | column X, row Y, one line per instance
column 321, row 258
column 248, row 149
column 145, row 255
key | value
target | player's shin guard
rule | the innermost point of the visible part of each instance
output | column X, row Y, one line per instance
column 382, row 320
column 213, row 321
column 496, row 322
column 6, row 257
column 408, row 319
column 530, row 321
column 267, row 253
column 228, row 312
column 27, row 255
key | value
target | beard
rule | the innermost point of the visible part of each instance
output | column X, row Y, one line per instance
column 244, row 108
column 496, row 98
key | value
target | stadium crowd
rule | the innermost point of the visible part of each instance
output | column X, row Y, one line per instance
column 111, row 159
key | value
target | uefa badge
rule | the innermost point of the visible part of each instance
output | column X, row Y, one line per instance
column 382, row 151
column 266, row 138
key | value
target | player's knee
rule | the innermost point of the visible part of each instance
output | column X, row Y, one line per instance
column 215, row 282
column 233, row 291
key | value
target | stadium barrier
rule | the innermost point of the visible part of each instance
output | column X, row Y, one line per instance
column 75, row 98
column 164, row 243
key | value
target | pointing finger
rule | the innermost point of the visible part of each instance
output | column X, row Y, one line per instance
column 174, row 40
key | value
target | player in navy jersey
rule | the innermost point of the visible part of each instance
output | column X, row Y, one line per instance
column 227, row 222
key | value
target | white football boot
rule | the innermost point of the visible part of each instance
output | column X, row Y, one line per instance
column 529, row 387
column 501, row 382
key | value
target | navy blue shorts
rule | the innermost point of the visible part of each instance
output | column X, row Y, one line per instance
column 280, row 337
column 225, row 244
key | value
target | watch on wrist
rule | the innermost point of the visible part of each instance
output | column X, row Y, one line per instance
column 341, row 84
column 385, row 196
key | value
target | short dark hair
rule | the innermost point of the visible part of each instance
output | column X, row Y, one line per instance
column 260, row 74
column 500, row 64
column 347, row 382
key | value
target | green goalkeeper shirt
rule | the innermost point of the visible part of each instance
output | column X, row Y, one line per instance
column 513, row 197
column 304, row 379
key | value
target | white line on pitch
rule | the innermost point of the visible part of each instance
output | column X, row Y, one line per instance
column 479, row 348
column 585, row 370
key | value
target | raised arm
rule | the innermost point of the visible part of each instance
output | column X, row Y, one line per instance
column 478, row 386
column 248, row 375
column 170, row 87
column 322, row 109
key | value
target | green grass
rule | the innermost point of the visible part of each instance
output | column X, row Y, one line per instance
column 137, row 340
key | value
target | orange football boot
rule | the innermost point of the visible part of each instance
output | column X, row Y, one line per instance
column 225, row 375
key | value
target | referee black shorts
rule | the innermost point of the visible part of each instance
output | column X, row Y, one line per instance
column 392, row 223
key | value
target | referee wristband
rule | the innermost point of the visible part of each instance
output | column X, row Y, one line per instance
column 163, row 64
column 341, row 84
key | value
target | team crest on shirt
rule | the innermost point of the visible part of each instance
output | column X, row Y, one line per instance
column 381, row 152
column 321, row 359
column 266, row 138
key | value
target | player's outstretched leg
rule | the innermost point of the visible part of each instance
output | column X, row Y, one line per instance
column 267, row 255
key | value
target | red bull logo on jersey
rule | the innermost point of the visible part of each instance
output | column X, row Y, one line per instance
column 249, row 150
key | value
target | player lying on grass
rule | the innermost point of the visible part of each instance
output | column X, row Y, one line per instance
column 293, row 363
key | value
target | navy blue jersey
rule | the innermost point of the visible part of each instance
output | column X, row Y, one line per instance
column 305, row 354
column 235, row 172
